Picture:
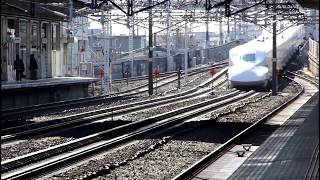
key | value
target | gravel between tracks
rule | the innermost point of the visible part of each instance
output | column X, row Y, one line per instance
column 27, row 146
column 30, row 145
column 168, row 89
column 180, row 152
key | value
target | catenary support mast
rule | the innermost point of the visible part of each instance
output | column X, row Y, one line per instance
column 150, row 60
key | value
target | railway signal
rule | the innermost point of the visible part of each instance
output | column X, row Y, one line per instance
column 179, row 76
column 126, row 75
column 212, row 72
column 156, row 74
column 101, row 73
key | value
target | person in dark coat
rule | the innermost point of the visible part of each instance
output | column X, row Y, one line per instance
column 33, row 67
column 19, row 67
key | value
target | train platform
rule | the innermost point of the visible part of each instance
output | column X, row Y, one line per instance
column 284, row 147
column 17, row 94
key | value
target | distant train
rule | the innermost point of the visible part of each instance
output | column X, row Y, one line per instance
column 250, row 64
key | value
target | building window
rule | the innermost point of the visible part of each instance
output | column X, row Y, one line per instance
column 11, row 23
column 23, row 33
column 23, row 40
column 54, row 36
column 44, row 30
column 34, row 35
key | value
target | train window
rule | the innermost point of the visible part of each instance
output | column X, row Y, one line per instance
column 248, row 57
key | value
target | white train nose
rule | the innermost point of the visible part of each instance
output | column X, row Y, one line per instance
column 253, row 74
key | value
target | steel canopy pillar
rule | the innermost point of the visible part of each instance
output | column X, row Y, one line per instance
column 186, row 50
column 131, row 31
column 274, row 53
column 228, row 31
column 191, row 42
column 207, row 39
column 150, row 60
column 70, row 44
column 235, row 29
column 109, row 51
column 220, row 31
column 169, row 58
column 266, row 20
column 104, row 47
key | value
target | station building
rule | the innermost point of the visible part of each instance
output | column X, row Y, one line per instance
column 34, row 27
column 39, row 28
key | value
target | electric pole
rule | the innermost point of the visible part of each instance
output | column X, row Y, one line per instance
column 150, row 61
column 274, row 51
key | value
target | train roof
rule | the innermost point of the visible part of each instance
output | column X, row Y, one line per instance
column 264, row 41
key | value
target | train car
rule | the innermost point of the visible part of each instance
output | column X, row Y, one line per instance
column 250, row 64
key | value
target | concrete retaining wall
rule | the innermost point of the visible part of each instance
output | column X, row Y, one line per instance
column 16, row 98
column 195, row 57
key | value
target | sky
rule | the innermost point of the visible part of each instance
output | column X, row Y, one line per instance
column 118, row 29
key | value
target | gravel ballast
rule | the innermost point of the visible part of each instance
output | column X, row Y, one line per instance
column 173, row 156
column 24, row 147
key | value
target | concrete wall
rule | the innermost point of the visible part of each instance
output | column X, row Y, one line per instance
column 219, row 53
column 195, row 57
column 27, row 97
column 140, row 67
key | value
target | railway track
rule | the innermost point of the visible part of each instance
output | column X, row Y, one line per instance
column 181, row 150
column 9, row 114
column 200, row 165
column 115, row 167
column 304, row 77
column 90, row 144
column 31, row 164
column 91, row 116
column 145, row 77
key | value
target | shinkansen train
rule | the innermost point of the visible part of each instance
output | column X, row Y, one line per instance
column 250, row 64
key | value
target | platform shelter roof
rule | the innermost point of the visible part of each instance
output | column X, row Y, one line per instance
column 41, row 9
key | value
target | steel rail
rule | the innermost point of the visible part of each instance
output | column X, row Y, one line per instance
column 88, row 117
column 305, row 78
column 97, row 141
column 9, row 113
column 190, row 172
column 139, row 91
column 145, row 77
column 192, row 90
column 168, row 114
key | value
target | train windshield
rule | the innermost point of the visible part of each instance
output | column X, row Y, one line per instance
column 248, row 57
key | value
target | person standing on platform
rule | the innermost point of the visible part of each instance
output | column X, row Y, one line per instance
column 33, row 67
column 19, row 67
